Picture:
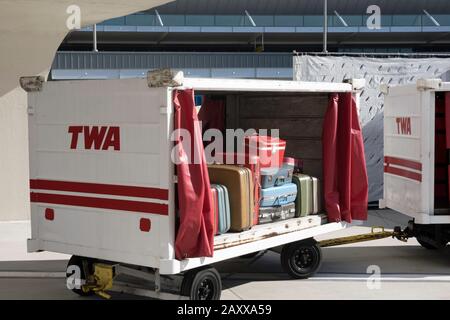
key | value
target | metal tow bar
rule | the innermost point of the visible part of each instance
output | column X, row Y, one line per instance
column 374, row 235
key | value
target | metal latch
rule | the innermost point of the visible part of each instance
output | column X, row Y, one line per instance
column 429, row 84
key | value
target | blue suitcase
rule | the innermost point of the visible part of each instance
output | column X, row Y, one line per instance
column 224, row 214
column 275, row 177
column 278, row 196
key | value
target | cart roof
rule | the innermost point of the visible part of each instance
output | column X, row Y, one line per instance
column 257, row 85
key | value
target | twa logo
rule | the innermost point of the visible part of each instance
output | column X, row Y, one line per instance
column 404, row 126
column 95, row 137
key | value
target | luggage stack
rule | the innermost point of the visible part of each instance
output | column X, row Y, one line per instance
column 278, row 193
column 260, row 186
column 286, row 193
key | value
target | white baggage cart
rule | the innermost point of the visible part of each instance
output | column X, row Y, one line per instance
column 112, row 206
column 410, row 116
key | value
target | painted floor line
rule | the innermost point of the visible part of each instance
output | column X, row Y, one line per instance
column 31, row 274
column 344, row 277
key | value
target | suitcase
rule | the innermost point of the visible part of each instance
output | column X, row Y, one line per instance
column 304, row 201
column 278, row 196
column 269, row 149
column 215, row 208
column 252, row 163
column 239, row 182
column 309, row 199
column 316, row 196
column 278, row 213
column 296, row 164
column 223, row 217
column 275, row 177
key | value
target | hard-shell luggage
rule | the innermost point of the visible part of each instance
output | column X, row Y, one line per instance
column 304, row 201
column 269, row 149
column 215, row 208
column 223, row 217
column 309, row 199
column 278, row 196
column 296, row 164
column 252, row 163
column 278, row 213
column 239, row 182
column 316, row 196
column 275, row 177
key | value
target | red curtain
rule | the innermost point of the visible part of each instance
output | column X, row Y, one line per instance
column 344, row 164
column 212, row 114
column 195, row 237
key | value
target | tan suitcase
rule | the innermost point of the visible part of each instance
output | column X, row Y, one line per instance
column 239, row 183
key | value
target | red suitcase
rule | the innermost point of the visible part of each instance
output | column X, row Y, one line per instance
column 251, row 163
column 269, row 149
column 215, row 207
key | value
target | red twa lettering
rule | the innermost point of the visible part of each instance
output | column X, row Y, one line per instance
column 404, row 126
column 98, row 138
column 112, row 139
column 75, row 131
column 94, row 136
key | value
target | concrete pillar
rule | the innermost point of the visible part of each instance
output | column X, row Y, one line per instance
column 14, row 190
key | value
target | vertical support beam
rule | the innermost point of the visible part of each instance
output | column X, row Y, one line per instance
column 325, row 26
column 157, row 282
column 94, row 31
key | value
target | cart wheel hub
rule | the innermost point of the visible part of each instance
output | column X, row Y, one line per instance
column 205, row 290
column 303, row 258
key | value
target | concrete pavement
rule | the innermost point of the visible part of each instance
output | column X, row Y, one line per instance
column 407, row 270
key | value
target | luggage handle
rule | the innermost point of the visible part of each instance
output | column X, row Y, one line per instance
column 280, row 180
column 276, row 217
column 285, row 198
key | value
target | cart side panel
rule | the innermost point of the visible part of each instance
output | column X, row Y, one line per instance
column 99, row 174
column 409, row 151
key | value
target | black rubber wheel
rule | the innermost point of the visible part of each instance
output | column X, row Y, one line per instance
column 431, row 246
column 202, row 284
column 302, row 259
column 78, row 262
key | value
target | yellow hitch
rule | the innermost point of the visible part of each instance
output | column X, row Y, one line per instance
column 101, row 280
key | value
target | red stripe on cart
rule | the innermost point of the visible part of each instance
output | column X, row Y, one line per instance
column 403, row 163
column 106, row 189
column 403, row 173
column 100, row 203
